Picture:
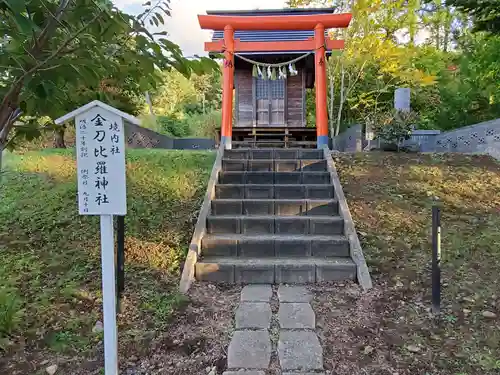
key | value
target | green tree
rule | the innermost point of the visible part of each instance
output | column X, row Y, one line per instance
column 50, row 47
column 485, row 13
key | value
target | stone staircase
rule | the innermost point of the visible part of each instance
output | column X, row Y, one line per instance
column 274, row 219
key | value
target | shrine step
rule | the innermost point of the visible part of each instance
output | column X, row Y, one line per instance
column 290, row 191
column 281, row 207
column 277, row 165
column 274, row 270
column 271, row 224
column 274, row 245
column 291, row 153
column 280, row 178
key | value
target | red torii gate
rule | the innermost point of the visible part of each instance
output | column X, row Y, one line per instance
column 230, row 46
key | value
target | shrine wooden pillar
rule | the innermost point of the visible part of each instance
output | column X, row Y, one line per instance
column 227, row 89
column 320, row 78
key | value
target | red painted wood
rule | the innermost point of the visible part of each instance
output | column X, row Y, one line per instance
column 292, row 22
column 296, row 45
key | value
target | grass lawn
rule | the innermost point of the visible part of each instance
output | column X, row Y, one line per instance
column 390, row 330
column 50, row 291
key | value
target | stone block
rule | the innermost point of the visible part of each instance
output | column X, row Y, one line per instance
column 256, row 247
column 236, row 154
column 289, row 273
column 300, row 350
column 219, row 246
column 289, row 192
column 335, row 272
column 292, row 247
column 218, row 273
column 259, row 192
column 326, row 226
column 311, row 154
column 253, row 315
column 234, row 165
column 255, row 225
column 291, row 293
column 322, row 208
column 285, row 154
column 223, row 225
column 257, row 178
column 319, row 192
column 227, row 207
column 229, row 191
column 260, row 165
column 232, row 178
column 290, row 207
column 311, row 178
column 258, row 207
column 287, row 178
column 254, row 274
column 249, row 349
column 292, row 225
column 332, row 247
column 313, row 165
column 262, row 154
column 256, row 293
column 296, row 316
column 287, row 165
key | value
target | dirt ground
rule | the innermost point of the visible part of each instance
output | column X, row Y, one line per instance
column 390, row 330
column 194, row 342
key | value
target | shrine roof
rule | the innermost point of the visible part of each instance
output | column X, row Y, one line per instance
column 267, row 35
column 271, row 12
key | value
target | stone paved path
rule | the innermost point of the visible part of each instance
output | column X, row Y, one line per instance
column 275, row 325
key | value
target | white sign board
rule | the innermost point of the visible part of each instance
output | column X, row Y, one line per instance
column 402, row 99
column 100, row 141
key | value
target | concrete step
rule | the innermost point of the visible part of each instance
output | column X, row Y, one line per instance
column 274, row 270
column 270, row 178
column 274, row 245
column 281, row 207
column 277, row 165
column 240, row 191
column 316, row 225
column 270, row 153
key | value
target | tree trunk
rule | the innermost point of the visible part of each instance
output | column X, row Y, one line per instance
column 150, row 104
column 59, row 137
column 1, row 155
column 332, row 103
column 9, row 112
column 339, row 117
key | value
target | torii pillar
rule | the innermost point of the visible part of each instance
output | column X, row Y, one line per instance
column 227, row 88
column 321, row 96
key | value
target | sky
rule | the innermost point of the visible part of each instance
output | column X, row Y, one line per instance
column 183, row 27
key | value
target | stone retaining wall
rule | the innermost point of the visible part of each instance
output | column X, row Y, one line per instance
column 349, row 141
column 139, row 137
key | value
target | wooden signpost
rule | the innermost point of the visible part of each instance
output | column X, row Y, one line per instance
column 100, row 148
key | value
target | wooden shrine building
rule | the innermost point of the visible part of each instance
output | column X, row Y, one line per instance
column 270, row 58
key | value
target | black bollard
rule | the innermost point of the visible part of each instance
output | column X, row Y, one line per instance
column 120, row 259
column 436, row 259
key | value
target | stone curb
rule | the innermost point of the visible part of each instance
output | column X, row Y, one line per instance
column 188, row 272
column 363, row 274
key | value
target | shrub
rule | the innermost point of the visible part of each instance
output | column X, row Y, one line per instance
column 10, row 311
column 204, row 125
column 173, row 126
column 395, row 126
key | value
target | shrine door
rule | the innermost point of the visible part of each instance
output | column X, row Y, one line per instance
column 270, row 102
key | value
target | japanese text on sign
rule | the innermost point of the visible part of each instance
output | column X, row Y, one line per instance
column 101, row 163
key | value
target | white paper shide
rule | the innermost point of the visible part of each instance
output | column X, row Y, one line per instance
column 101, row 163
